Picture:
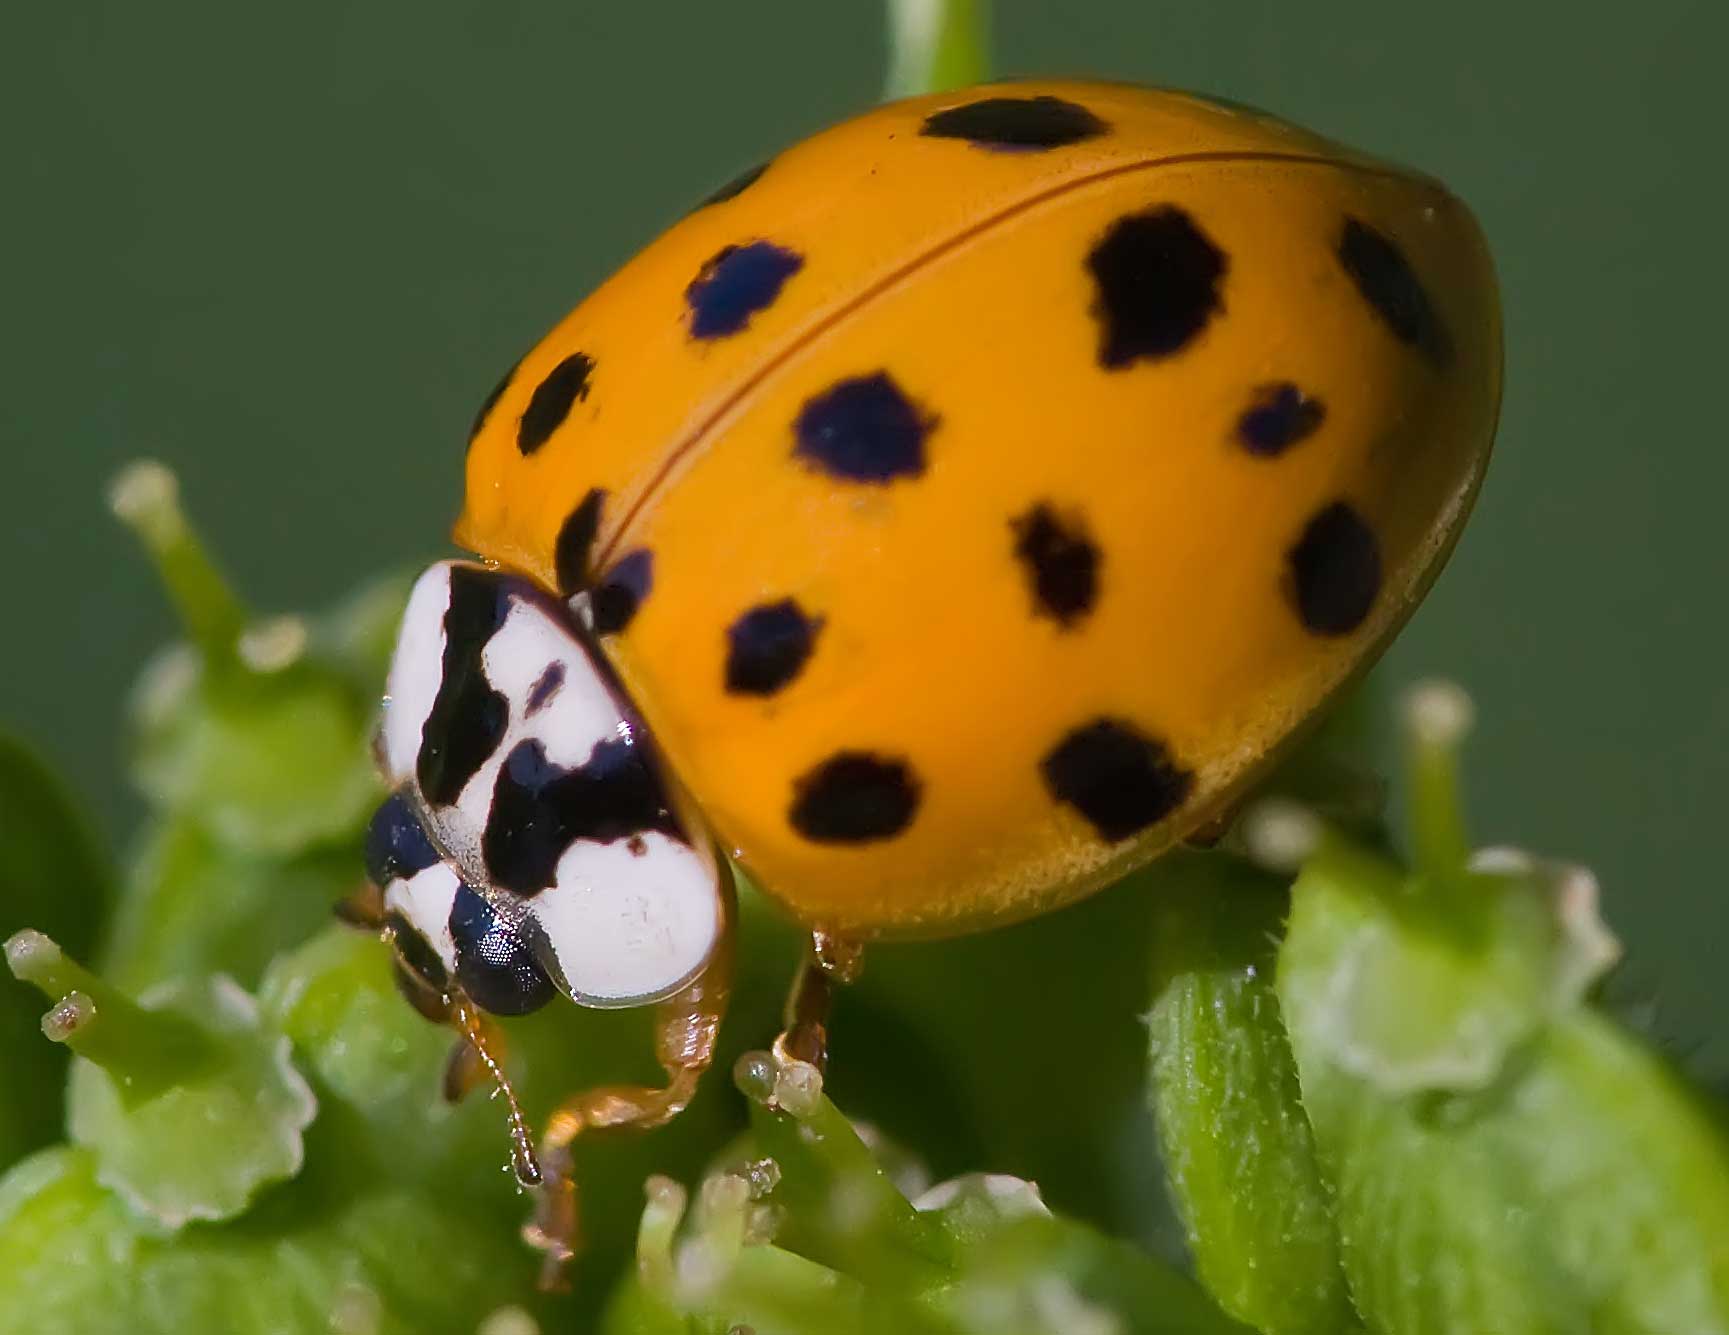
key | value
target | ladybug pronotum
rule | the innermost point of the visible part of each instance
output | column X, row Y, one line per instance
column 942, row 519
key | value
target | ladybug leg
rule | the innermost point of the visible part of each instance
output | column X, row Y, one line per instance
column 830, row 962
column 362, row 907
column 470, row 1065
column 686, row 1028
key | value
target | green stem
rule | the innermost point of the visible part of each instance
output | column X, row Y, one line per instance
column 936, row 45
column 144, row 1051
column 878, row 1235
column 146, row 497
column 1437, row 717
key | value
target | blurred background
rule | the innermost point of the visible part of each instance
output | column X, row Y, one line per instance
column 289, row 248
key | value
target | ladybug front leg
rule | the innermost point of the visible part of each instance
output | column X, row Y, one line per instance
column 687, row 1026
column 831, row 961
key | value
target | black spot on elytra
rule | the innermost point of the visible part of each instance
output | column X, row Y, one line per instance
column 396, row 843
column 575, row 542
column 468, row 717
column 854, row 797
column 1385, row 278
column 491, row 402
column 863, row 430
column 1158, row 279
column 735, row 187
column 415, row 953
column 552, row 400
column 1015, row 123
column 544, row 688
column 1062, row 564
column 1278, row 416
column 1335, row 571
column 1116, row 776
column 621, row 590
column 735, row 284
column 494, row 966
column 768, row 646
column 539, row 807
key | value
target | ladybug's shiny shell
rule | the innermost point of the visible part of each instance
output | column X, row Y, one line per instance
column 973, row 498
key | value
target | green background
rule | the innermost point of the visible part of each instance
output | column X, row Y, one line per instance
column 288, row 249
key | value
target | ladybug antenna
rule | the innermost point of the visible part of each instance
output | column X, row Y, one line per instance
column 522, row 1156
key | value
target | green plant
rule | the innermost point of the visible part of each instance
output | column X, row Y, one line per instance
column 1384, row 1096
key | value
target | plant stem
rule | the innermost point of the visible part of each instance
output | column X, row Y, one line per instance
column 936, row 45
column 144, row 1051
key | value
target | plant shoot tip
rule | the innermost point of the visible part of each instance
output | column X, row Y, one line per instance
column 1438, row 713
column 754, row 1074
column 798, row 1089
column 1281, row 835
column 28, row 952
column 273, row 645
column 73, row 1012
column 145, row 494
column 511, row 1320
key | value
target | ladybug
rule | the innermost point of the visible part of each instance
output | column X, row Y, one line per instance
column 942, row 519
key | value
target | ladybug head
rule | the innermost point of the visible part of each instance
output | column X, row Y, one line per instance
column 533, row 843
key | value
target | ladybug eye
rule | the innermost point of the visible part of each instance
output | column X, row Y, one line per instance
column 396, row 843
column 493, row 964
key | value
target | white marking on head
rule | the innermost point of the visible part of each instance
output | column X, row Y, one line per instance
column 425, row 899
column 629, row 926
column 415, row 673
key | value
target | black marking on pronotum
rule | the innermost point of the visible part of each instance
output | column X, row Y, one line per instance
column 768, row 646
column 1157, row 278
column 1116, row 776
column 1335, row 571
column 397, row 845
column 468, row 717
column 620, row 592
column 737, row 283
column 1061, row 562
column 735, row 187
column 1388, row 283
column 1015, row 123
column 854, row 797
column 491, row 402
column 539, row 808
column 416, row 952
column 1278, row 416
column 494, row 965
column 575, row 541
column 552, row 401
column 864, row 429
column 545, row 687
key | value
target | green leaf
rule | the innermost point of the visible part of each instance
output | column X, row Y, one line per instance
column 257, row 729
column 849, row 1253
column 370, row 1053
column 936, row 45
column 270, row 763
column 356, row 638
column 1585, row 1188
column 1232, row 1129
column 190, row 1105
column 52, row 873
column 388, row 1259
column 1503, row 1157
column 194, row 905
